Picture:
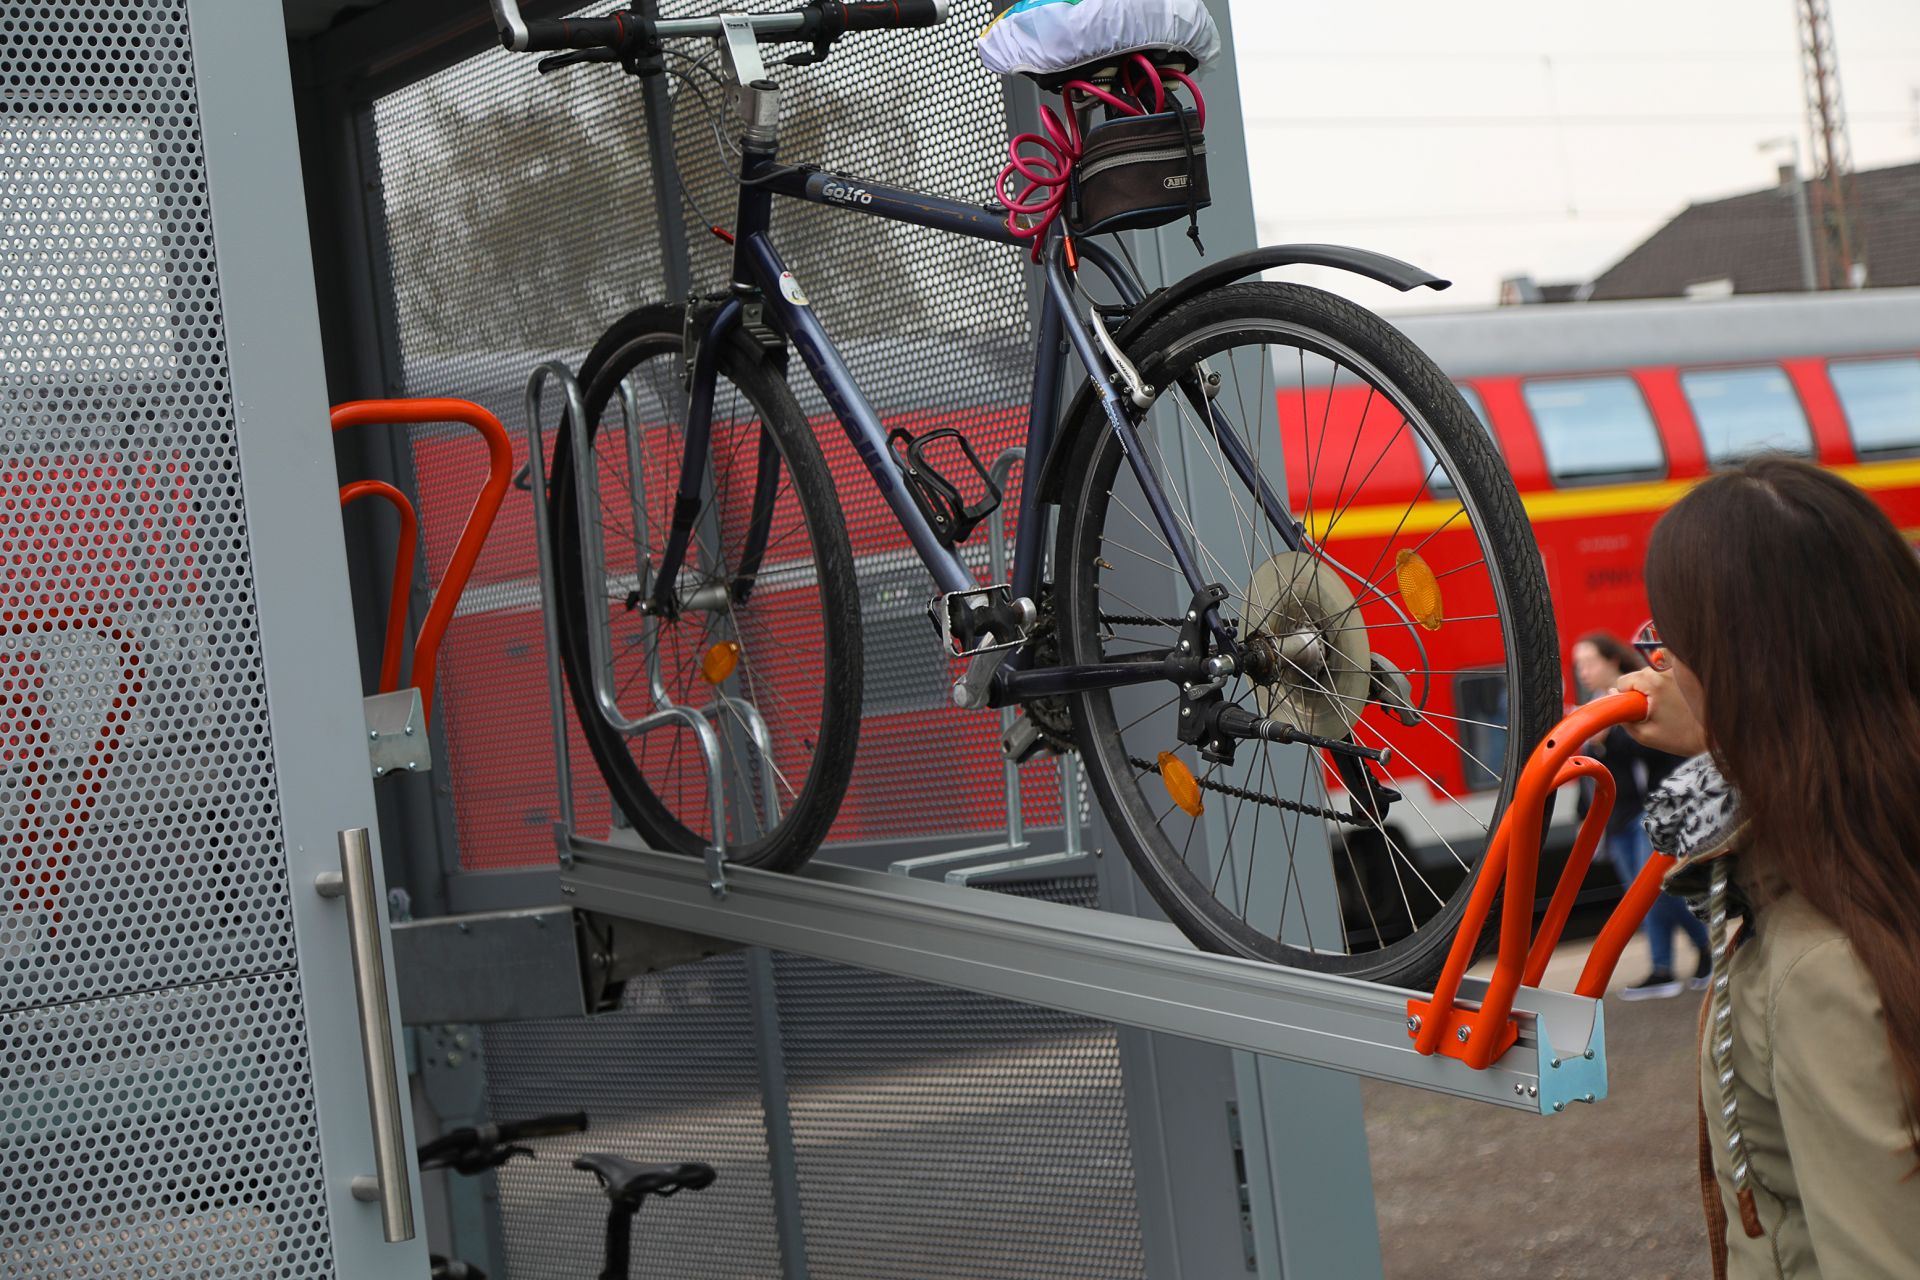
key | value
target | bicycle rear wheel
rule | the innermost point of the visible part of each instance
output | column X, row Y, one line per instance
column 1386, row 591
column 763, row 641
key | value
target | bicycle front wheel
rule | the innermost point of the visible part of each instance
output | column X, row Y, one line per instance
column 1385, row 592
column 760, row 640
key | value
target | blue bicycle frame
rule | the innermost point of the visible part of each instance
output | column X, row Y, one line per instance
column 759, row 274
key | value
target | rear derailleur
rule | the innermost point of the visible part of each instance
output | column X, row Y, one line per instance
column 1215, row 726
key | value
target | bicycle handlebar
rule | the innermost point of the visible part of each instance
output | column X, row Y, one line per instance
column 823, row 20
column 551, row 1126
column 471, row 1149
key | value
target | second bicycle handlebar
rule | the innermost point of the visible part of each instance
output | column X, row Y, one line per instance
column 823, row 20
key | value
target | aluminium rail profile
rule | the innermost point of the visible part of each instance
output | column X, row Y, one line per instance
column 1141, row 973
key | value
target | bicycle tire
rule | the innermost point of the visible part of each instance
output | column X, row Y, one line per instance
column 803, row 825
column 1508, row 545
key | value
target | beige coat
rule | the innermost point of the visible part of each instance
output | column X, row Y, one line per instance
column 1820, row 1105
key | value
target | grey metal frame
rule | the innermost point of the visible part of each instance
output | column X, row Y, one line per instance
column 1136, row 972
column 320, row 760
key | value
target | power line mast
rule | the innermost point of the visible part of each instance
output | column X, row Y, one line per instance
column 1838, row 241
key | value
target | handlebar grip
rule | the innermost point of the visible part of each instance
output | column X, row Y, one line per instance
column 575, row 33
column 544, row 1126
column 883, row 15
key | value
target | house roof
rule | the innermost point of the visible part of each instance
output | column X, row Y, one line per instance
column 1753, row 240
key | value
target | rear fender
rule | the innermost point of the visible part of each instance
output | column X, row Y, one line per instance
column 1375, row 266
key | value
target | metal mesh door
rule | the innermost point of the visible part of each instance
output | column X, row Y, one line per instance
column 946, row 1135
column 939, row 1134
column 156, row 1115
column 520, row 223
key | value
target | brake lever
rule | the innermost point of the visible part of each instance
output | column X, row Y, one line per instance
column 556, row 61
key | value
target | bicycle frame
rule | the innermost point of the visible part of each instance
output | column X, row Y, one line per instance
column 761, row 277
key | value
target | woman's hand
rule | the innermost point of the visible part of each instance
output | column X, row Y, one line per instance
column 1670, row 725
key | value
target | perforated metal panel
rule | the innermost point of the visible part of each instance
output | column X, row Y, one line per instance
column 669, row 1077
column 946, row 1135
column 520, row 223
column 155, row 1116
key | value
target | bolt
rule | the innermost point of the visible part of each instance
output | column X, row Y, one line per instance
column 1587, row 1098
column 1192, row 616
column 1413, row 1023
column 1462, row 1034
column 1533, row 1091
column 1184, row 646
column 373, row 735
column 1555, row 1064
column 1589, row 1055
column 1519, row 1090
column 462, row 1039
column 453, row 1058
column 1559, row 1106
column 465, row 927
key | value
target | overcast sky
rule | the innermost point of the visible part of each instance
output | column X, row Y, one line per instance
column 1499, row 138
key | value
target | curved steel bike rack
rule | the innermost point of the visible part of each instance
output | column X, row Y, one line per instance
column 466, row 552
column 1478, row 1033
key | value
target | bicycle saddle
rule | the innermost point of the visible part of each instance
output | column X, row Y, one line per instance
column 629, row 1182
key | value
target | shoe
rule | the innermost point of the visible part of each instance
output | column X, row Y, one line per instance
column 1702, row 975
column 1658, row 985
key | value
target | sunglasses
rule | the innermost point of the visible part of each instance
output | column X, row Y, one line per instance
column 1647, row 642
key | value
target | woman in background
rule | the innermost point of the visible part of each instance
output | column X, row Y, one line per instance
column 1788, row 615
column 1599, row 660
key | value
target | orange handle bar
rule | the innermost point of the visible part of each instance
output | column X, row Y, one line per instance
column 466, row 553
column 1479, row 1037
column 402, row 572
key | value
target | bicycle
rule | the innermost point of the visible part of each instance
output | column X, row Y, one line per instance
column 626, row 1183
column 714, row 570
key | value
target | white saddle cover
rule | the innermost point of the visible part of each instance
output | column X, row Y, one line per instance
column 1046, row 37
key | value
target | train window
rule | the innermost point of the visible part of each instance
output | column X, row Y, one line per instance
column 1595, row 429
column 1437, row 482
column 1746, row 411
column 1480, row 698
column 1882, row 402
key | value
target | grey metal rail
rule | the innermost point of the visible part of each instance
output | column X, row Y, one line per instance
column 1138, row 972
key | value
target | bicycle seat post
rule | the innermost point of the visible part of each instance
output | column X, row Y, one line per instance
column 618, row 1254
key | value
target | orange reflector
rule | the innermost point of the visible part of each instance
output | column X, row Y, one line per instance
column 1419, row 588
column 1180, row 784
column 720, row 661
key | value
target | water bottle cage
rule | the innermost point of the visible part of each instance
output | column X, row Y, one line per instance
column 940, row 500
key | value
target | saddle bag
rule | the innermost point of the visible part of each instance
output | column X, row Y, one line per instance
column 1139, row 172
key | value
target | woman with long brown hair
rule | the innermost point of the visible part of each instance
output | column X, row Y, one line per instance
column 1788, row 608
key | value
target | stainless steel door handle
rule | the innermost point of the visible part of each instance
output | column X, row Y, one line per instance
column 391, row 1183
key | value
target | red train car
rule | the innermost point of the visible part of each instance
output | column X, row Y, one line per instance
column 1606, row 414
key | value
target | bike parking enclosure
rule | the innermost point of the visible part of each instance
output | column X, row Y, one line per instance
column 470, row 221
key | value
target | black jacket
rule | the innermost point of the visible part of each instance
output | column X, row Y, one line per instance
column 1636, row 771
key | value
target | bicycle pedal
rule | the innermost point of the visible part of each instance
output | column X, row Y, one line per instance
column 983, row 621
column 1021, row 742
column 940, row 500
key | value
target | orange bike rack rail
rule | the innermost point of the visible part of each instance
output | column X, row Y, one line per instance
column 426, row 647
column 1478, row 1035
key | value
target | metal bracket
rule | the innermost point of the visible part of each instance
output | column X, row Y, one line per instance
column 540, row 962
column 397, row 738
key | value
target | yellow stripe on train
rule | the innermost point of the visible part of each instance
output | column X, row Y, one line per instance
column 1572, row 504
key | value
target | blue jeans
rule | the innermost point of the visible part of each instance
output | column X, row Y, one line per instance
column 1629, row 850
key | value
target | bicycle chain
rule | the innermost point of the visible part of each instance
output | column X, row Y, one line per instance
column 1241, row 793
column 1140, row 620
